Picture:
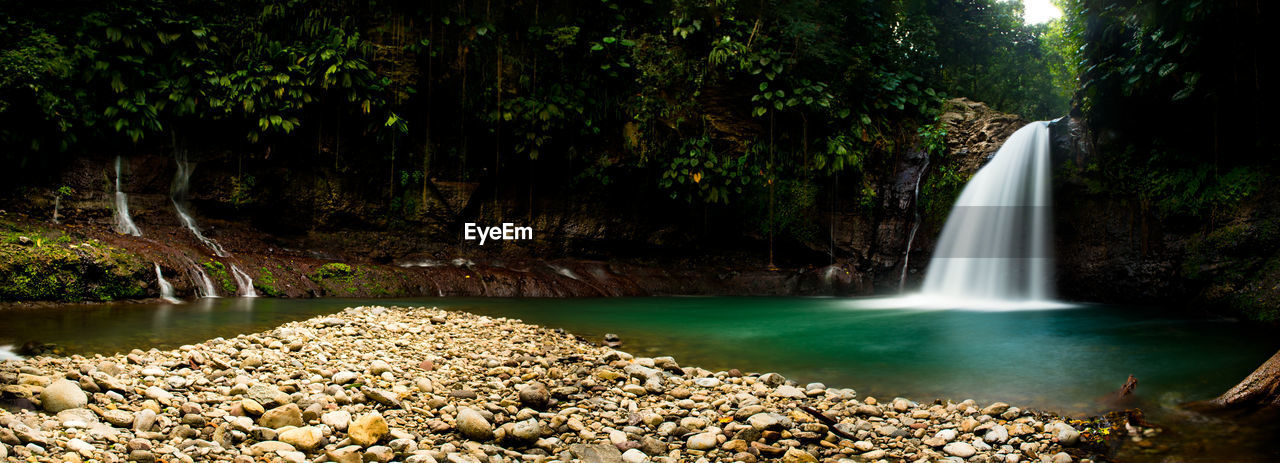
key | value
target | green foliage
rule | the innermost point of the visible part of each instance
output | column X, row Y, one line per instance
column 1172, row 89
column 38, row 264
column 266, row 283
column 218, row 272
column 331, row 270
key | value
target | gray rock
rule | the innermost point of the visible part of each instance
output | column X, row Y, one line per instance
column 998, row 434
column 596, row 453
column 62, row 395
column 773, row 379
column 267, row 395
column 528, row 430
column 788, row 392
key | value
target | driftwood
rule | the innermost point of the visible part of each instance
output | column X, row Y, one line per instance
column 831, row 424
column 1261, row 389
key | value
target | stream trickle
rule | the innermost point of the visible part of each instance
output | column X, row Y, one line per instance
column 243, row 281
column 166, row 289
column 124, row 223
column 915, row 204
column 200, row 279
column 178, row 194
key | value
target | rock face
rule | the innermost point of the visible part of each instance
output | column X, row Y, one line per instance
column 62, row 395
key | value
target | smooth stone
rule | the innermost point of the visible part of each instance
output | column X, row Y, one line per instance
column 62, row 395
column 634, row 456
column 789, row 392
column 379, row 367
column 960, row 449
column 118, row 418
column 306, row 438
column 368, row 429
column 279, row 417
column 995, row 409
column 338, row 420
column 998, row 434
column 269, row 447
column 707, row 382
column 267, row 395
column 1068, row 435
column 535, row 395
column 1061, row 457
column 702, row 441
column 798, row 456
column 596, row 453
column 344, row 377
column 473, row 425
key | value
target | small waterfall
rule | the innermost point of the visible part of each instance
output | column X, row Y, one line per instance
column 243, row 281
column 166, row 289
column 124, row 223
column 996, row 243
column 178, row 194
column 564, row 272
column 204, row 286
column 915, row 204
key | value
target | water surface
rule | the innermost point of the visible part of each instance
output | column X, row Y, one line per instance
column 1062, row 360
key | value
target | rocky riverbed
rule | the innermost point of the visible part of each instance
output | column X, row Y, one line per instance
column 422, row 385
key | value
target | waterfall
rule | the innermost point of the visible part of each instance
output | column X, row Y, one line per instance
column 915, row 204
column 178, row 194
column 124, row 223
column 204, row 286
column 243, row 281
column 166, row 289
column 996, row 243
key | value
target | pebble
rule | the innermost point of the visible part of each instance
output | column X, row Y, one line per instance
column 375, row 384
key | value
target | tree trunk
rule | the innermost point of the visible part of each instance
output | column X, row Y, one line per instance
column 1260, row 390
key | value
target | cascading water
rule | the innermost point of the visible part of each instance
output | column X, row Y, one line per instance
column 995, row 245
column 915, row 204
column 244, row 282
column 124, row 223
column 178, row 194
column 166, row 289
column 204, row 286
